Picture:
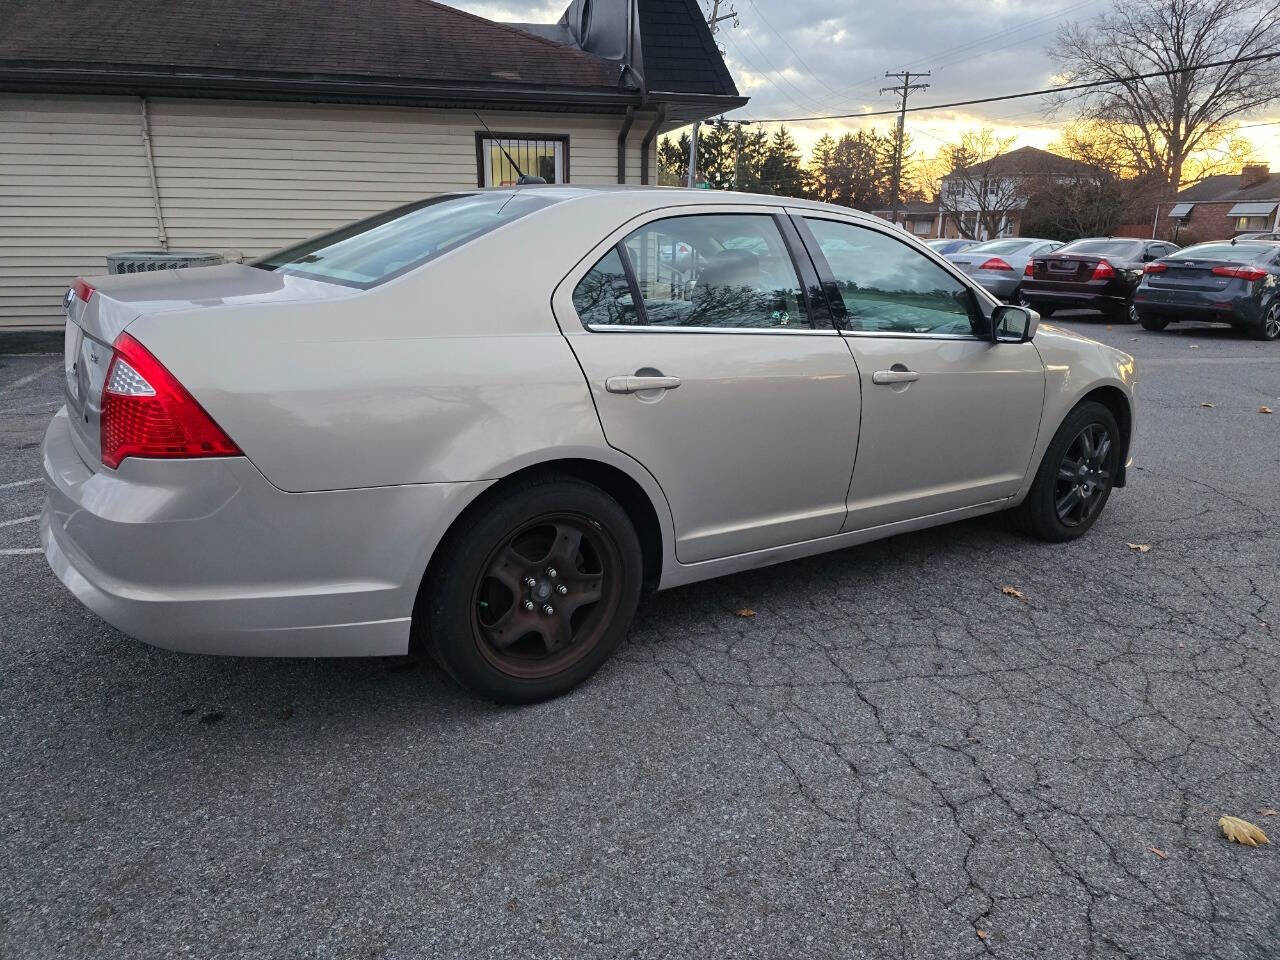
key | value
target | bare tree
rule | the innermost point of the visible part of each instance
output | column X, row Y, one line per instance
column 978, row 184
column 1159, row 125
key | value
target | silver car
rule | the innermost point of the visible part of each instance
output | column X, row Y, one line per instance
column 482, row 424
column 999, row 264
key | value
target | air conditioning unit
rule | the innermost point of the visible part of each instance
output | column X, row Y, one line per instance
column 146, row 261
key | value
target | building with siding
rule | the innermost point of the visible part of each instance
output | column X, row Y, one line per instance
column 1223, row 206
column 242, row 128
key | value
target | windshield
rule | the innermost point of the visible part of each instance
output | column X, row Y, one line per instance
column 375, row 250
column 1236, row 252
column 1000, row 246
column 1105, row 248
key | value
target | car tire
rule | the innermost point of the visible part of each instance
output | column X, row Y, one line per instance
column 1042, row 513
column 1268, row 327
column 491, row 630
column 1153, row 323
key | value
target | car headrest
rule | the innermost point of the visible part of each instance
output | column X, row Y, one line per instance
column 731, row 268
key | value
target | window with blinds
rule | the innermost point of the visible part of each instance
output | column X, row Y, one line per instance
column 534, row 154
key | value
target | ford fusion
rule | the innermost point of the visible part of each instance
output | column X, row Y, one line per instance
column 480, row 425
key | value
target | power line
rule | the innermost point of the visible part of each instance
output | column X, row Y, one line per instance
column 1093, row 84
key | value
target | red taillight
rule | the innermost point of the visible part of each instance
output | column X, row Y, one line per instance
column 146, row 412
column 1242, row 273
column 995, row 263
column 83, row 290
column 1155, row 268
column 1103, row 271
column 1029, row 270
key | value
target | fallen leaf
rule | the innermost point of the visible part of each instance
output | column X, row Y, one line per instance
column 1014, row 592
column 1195, row 346
column 1265, row 410
column 1269, row 811
column 1159, row 853
column 1140, row 547
column 982, row 934
column 1133, row 339
column 1242, row 831
column 1108, row 326
column 745, row 612
column 1209, row 405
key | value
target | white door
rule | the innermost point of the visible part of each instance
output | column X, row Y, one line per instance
column 694, row 332
column 949, row 419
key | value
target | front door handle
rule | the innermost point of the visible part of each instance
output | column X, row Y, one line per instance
column 636, row 384
column 894, row 376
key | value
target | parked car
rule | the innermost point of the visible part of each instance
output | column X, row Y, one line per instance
column 1221, row 282
column 1098, row 273
column 435, row 430
column 944, row 246
column 1268, row 235
column 999, row 264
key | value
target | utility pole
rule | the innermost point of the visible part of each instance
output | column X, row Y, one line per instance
column 904, row 90
column 713, row 22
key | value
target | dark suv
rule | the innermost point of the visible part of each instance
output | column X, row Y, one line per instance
column 1099, row 273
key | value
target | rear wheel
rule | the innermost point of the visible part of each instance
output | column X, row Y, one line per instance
column 1269, row 328
column 1150, row 322
column 536, row 592
column 1076, row 476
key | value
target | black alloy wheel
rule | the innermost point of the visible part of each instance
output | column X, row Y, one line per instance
column 1084, row 476
column 1075, row 476
column 1269, row 328
column 532, row 589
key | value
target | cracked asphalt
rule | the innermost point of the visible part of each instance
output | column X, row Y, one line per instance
column 891, row 759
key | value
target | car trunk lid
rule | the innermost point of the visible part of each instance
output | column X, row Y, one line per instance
column 1193, row 275
column 100, row 308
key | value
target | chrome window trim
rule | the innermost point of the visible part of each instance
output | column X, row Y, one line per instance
column 905, row 335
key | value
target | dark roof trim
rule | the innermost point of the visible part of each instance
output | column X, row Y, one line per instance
column 142, row 81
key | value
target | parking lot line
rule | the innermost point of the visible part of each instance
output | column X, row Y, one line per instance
column 19, row 483
column 10, row 523
column 20, row 551
column 31, row 377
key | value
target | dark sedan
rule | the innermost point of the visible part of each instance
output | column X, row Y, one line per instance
column 1100, row 273
column 1224, row 282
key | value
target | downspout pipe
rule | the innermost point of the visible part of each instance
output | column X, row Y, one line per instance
column 622, row 144
column 652, row 132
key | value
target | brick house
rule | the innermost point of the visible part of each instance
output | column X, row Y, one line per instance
column 1221, row 207
column 917, row 217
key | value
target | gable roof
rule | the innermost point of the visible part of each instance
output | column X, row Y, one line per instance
column 1225, row 187
column 411, row 51
column 1032, row 161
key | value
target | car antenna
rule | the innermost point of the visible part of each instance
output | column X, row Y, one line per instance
column 524, row 177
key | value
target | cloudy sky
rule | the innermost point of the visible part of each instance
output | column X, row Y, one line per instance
column 810, row 57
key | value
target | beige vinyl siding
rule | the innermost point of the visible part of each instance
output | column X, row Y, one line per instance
column 73, row 188
column 235, row 177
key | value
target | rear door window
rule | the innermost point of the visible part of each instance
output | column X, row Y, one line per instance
column 722, row 271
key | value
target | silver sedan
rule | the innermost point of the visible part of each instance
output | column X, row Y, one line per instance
column 999, row 264
column 482, row 424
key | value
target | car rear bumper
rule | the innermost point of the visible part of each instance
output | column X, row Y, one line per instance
column 998, row 285
column 206, row 556
column 1237, row 311
column 1074, row 300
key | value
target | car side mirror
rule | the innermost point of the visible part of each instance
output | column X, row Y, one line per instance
column 1011, row 323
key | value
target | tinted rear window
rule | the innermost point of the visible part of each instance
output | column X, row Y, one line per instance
column 999, row 246
column 1237, row 252
column 375, row 250
column 1103, row 248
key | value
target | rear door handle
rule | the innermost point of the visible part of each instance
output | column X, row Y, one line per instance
column 635, row 384
column 894, row 376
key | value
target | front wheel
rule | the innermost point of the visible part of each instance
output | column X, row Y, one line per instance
column 535, row 591
column 1269, row 328
column 1075, row 477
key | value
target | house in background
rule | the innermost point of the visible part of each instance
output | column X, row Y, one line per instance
column 1221, row 207
column 239, row 128
column 918, row 217
column 1000, row 187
